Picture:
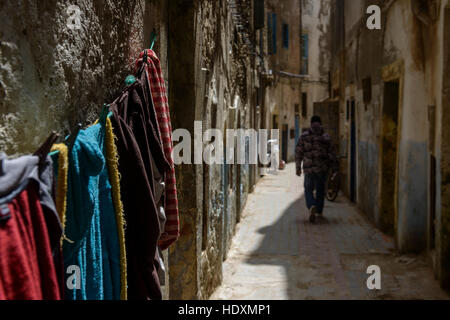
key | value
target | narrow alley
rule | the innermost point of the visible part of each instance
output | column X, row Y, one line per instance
column 140, row 135
column 277, row 254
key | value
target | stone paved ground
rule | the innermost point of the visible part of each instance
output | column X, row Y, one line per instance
column 278, row 254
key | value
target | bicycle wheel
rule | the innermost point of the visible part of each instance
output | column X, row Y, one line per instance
column 332, row 188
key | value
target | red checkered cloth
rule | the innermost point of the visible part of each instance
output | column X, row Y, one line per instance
column 161, row 104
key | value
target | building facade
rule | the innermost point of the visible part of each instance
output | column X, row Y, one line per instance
column 54, row 75
column 390, row 86
column 279, row 46
column 315, row 56
column 212, row 85
column 245, row 75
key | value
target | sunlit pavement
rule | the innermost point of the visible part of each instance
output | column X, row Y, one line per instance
column 278, row 254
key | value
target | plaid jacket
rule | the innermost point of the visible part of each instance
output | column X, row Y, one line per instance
column 161, row 103
column 316, row 151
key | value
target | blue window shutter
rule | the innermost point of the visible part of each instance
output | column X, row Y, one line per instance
column 285, row 35
column 274, row 32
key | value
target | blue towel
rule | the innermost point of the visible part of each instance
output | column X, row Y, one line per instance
column 91, row 243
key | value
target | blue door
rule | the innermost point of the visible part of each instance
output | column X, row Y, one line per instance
column 297, row 129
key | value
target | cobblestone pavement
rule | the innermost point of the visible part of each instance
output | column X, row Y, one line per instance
column 277, row 254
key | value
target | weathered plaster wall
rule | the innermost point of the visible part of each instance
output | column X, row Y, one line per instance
column 367, row 53
column 413, row 159
column 184, row 256
column 441, row 88
column 204, row 89
column 421, row 50
column 232, row 65
column 52, row 77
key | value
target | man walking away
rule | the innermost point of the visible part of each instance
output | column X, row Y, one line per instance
column 315, row 150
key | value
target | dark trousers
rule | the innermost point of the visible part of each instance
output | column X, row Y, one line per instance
column 315, row 181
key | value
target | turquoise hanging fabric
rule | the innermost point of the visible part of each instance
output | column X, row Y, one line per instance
column 91, row 243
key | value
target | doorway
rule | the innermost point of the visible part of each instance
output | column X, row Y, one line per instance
column 284, row 143
column 432, row 216
column 443, row 215
column 353, row 195
column 389, row 157
column 238, row 188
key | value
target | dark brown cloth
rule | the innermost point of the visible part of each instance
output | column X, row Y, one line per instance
column 141, row 160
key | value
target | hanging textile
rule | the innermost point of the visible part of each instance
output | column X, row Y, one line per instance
column 91, row 235
column 164, row 128
column 30, row 231
column 60, row 158
column 112, row 161
column 141, row 161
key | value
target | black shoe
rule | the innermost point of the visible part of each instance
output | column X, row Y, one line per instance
column 312, row 214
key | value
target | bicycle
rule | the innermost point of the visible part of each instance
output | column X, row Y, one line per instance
column 333, row 185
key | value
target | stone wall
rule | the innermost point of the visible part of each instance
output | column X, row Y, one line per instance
column 56, row 72
column 211, row 82
column 54, row 75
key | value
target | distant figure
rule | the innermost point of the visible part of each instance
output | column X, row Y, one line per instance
column 274, row 156
column 315, row 150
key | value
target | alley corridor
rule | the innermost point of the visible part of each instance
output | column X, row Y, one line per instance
column 278, row 254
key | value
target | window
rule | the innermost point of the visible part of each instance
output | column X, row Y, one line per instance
column 285, row 35
column 275, row 121
column 258, row 16
column 367, row 90
column 304, row 104
column 305, row 50
column 272, row 33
